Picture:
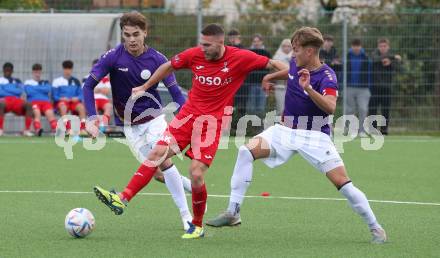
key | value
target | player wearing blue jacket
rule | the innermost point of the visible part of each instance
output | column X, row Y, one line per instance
column 37, row 92
column 10, row 99
column 67, row 94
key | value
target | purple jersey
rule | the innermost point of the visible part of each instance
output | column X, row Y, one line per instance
column 127, row 72
column 300, row 111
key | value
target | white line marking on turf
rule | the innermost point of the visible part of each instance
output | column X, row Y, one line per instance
column 421, row 139
column 248, row 196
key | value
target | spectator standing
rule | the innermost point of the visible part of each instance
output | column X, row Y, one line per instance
column 329, row 55
column 358, row 82
column 234, row 40
column 385, row 65
column 256, row 101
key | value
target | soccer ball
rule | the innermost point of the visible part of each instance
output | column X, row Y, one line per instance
column 79, row 222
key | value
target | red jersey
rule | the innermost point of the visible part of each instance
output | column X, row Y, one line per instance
column 214, row 83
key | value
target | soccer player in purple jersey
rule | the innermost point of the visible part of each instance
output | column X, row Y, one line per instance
column 310, row 98
column 131, row 64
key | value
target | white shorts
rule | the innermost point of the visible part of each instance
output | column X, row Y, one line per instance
column 314, row 146
column 142, row 138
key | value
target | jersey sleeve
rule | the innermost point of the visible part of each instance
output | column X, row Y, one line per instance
column 329, row 84
column 104, row 65
column 253, row 61
column 170, row 80
column 183, row 59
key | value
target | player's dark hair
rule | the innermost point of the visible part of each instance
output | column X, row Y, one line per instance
column 213, row 29
column 328, row 37
column 8, row 65
column 133, row 19
column 308, row 37
column 67, row 64
column 234, row 32
column 257, row 35
column 383, row 40
column 37, row 67
column 356, row 42
column 95, row 61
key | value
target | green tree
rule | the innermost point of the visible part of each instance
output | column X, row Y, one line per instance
column 22, row 4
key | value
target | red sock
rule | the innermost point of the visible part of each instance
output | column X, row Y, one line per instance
column 83, row 125
column 139, row 180
column 53, row 125
column 37, row 125
column 2, row 119
column 199, row 197
column 106, row 119
column 67, row 123
column 27, row 122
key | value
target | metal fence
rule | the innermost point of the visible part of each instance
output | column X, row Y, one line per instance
column 410, row 91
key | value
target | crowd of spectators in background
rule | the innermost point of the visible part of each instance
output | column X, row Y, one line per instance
column 369, row 86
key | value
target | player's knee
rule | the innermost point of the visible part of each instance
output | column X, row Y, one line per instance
column 197, row 174
column 245, row 154
column 158, row 176
column 166, row 164
column 157, row 153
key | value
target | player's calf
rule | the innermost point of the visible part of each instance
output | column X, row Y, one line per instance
column 358, row 202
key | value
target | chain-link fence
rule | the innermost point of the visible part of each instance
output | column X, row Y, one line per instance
column 402, row 83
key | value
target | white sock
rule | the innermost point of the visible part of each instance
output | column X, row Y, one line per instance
column 173, row 181
column 241, row 179
column 186, row 184
column 359, row 203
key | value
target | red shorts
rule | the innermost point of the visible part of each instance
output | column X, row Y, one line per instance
column 100, row 103
column 202, row 133
column 70, row 104
column 14, row 104
column 42, row 105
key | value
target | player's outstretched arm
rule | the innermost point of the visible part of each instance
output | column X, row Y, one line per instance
column 326, row 103
column 163, row 71
column 276, row 65
column 89, row 103
column 281, row 74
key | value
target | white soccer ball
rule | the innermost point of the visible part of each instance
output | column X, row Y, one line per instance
column 79, row 222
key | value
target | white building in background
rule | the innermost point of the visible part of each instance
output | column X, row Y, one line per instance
column 227, row 8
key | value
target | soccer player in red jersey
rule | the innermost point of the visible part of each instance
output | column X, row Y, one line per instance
column 218, row 72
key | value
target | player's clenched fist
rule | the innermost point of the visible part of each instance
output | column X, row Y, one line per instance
column 267, row 85
column 304, row 78
column 137, row 92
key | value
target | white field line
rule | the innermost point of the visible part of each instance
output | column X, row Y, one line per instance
column 421, row 139
column 227, row 196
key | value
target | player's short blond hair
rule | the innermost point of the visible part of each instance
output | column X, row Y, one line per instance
column 308, row 37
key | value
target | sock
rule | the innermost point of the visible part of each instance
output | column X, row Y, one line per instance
column 241, row 179
column 106, row 120
column 37, row 125
column 173, row 181
column 83, row 124
column 359, row 203
column 2, row 120
column 67, row 124
column 199, row 197
column 139, row 180
column 186, row 184
column 53, row 125
column 27, row 122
